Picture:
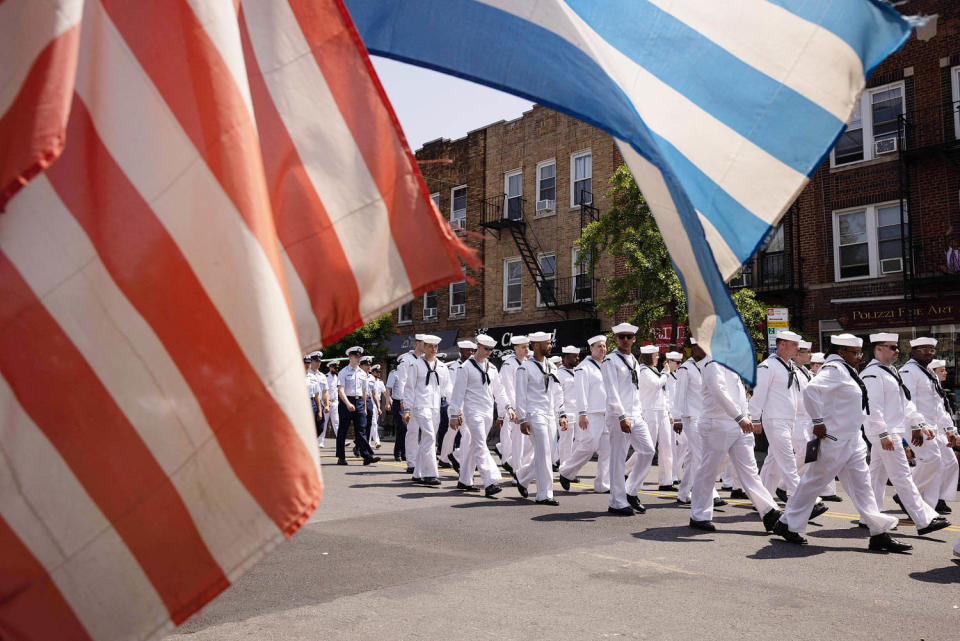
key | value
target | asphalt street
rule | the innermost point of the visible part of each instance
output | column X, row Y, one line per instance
column 384, row 559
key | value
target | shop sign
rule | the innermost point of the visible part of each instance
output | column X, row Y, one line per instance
column 777, row 318
column 921, row 313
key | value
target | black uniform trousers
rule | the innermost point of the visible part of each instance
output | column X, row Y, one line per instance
column 358, row 418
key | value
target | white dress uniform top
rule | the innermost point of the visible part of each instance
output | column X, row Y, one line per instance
column 476, row 388
column 401, row 394
column 424, row 385
column 724, row 406
column 892, row 414
column 446, row 447
column 539, row 403
column 621, row 380
column 653, row 399
column 803, row 433
column 837, row 398
column 936, row 473
column 592, row 403
column 568, row 385
column 774, row 404
column 510, row 432
column 688, row 410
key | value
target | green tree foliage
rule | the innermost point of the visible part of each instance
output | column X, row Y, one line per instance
column 648, row 284
column 372, row 337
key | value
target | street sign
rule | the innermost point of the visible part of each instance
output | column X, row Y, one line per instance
column 777, row 318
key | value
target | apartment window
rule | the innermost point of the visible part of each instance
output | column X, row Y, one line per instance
column 458, row 207
column 742, row 278
column 512, row 271
column 405, row 313
column 872, row 130
column 546, row 292
column 436, row 199
column 513, row 201
column 430, row 305
column 458, row 298
column 868, row 242
column 955, row 86
column 581, row 178
column 772, row 259
column 546, row 187
column 582, row 283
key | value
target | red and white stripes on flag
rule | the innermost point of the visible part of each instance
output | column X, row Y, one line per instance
column 195, row 191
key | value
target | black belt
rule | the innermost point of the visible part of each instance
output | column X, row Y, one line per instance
column 354, row 398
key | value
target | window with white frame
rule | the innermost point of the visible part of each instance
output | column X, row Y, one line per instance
column 582, row 283
column 430, row 305
column 512, row 272
column 405, row 313
column 868, row 241
column 873, row 129
column 458, row 207
column 548, row 267
column 955, row 87
column 458, row 298
column 546, row 187
column 513, row 200
column 581, row 178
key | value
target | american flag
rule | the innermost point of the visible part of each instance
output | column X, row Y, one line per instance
column 195, row 191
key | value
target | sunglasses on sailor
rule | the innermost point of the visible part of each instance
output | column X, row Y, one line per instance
column 892, row 348
column 626, row 336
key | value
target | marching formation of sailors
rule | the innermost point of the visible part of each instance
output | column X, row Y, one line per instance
column 554, row 414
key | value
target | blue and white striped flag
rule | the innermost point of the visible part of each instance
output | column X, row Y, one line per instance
column 722, row 109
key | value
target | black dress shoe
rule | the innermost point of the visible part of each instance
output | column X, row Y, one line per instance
column 371, row 460
column 467, row 488
column 719, row 502
column 667, row 488
column 896, row 499
column 621, row 511
column 556, row 467
column 443, row 465
column 356, row 453
column 496, row 448
column 780, row 529
column 706, row 526
column 937, row 523
column 886, row 543
column 409, row 470
column 726, row 488
column 430, row 480
column 454, row 463
column 781, row 495
column 739, row 494
column 818, row 509
column 833, row 498
column 770, row 519
column 417, row 481
column 682, row 502
column 508, row 468
column 564, row 483
column 341, row 461
column 553, row 502
column 492, row 489
column 635, row 503
column 522, row 490
column 942, row 507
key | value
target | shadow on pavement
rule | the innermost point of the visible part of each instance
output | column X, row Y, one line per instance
column 947, row 574
column 497, row 501
column 782, row 550
column 569, row 516
column 679, row 533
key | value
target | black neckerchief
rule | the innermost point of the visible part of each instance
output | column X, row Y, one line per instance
column 595, row 363
column 547, row 375
column 927, row 373
column 864, row 398
column 569, row 371
column 803, row 370
column 633, row 370
column 892, row 372
column 431, row 371
column 791, row 373
column 484, row 371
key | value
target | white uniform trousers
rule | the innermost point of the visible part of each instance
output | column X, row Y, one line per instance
column 679, row 454
column 374, row 426
column 446, row 447
column 540, row 465
column 554, row 443
column 332, row 419
column 956, row 546
column 586, row 443
column 721, row 438
column 639, row 438
column 893, row 465
column 661, row 433
column 801, row 436
column 693, row 458
column 521, row 451
column 566, row 439
column 927, row 472
column 949, row 470
column 474, row 454
column 411, row 442
column 428, row 421
column 729, row 478
column 846, row 459
column 505, row 445
column 780, row 466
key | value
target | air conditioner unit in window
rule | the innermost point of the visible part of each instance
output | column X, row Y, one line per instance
column 884, row 146
column 545, row 206
column 458, row 310
column 891, row 265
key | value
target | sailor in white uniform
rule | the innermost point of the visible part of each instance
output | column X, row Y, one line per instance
column 567, row 375
column 427, row 380
column 447, row 453
column 592, row 435
column 655, row 402
column 509, row 431
column 686, row 418
column 672, row 363
column 402, row 395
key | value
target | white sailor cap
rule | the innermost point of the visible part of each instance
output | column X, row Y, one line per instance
column 519, row 340
column 923, row 341
column 467, row 345
column 787, row 335
column 317, row 355
column 418, row 337
column 539, row 337
column 556, row 360
column 375, row 368
column 441, row 356
column 624, row 328
column 846, row 340
column 674, row 356
column 430, row 339
column 883, row 337
column 366, row 360
column 649, row 349
column 486, row 341
column 816, row 357
column 570, row 349
column 935, row 363
column 597, row 339
column 805, row 344
column 356, row 349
